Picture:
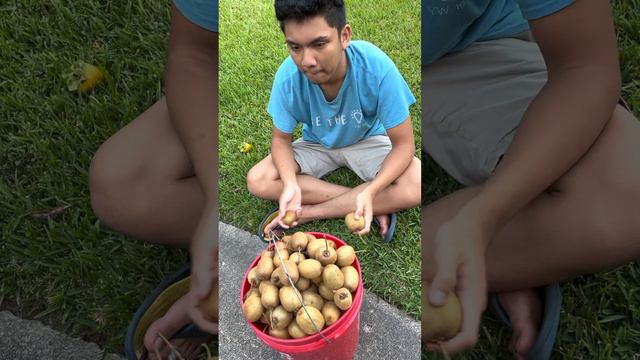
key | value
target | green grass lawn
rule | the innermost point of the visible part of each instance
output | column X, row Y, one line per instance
column 251, row 49
column 69, row 271
column 601, row 313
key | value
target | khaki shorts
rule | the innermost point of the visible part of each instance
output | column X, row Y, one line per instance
column 473, row 102
column 364, row 158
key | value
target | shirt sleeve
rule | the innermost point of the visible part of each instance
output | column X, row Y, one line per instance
column 394, row 99
column 203, row 13
column 532, row 10
column 278, row 108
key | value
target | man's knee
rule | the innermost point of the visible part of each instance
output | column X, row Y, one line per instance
column 256, row 180
column 111, row 186
column 410, row 186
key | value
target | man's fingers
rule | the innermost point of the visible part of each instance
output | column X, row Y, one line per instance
column 443, row 283
column 204, row 324
column 463, row 341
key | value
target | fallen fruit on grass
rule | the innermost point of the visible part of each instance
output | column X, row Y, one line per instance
column 354, row 224
column 305, row 322
column 342, row 298
column 83, row 77
column 246, row 147
column 440, row 322
column 289, row 217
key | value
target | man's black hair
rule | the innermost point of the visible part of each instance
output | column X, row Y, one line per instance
column 333, row 11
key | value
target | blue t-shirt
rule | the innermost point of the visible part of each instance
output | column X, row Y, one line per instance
column 373, row 97
column 200, row 12
column 452, row 25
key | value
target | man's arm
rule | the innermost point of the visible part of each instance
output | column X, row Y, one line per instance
column 396, row 162
column 564, row 120
column 192, row 97
column 402, row 151
column 579, row 48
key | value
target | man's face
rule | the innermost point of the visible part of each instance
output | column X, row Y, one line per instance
column 316, row 48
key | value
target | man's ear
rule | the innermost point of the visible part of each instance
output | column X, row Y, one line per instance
column 345, row 36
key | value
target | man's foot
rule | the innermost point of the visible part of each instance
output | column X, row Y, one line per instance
column 171, row 322
column 524, row 308
column 384, row 221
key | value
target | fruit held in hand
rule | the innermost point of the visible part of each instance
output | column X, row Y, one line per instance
column 354, row 224
column 289, row 217
column 442, row 322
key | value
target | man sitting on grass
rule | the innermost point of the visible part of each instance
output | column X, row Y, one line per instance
column 354, row 107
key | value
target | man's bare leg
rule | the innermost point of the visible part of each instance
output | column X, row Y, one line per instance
column 324, row 200
column 586, row 222
column 143, row 185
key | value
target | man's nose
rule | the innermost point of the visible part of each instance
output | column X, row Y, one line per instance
column 308, row 58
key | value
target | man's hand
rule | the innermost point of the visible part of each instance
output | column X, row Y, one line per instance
column 459, row 248
column 364, row 207
column 204, row 270
column 290, row 199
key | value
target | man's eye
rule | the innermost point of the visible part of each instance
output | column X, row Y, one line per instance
column 321, row 44
column 294, row 47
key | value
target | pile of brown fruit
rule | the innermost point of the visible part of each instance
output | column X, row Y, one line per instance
column 301, row 269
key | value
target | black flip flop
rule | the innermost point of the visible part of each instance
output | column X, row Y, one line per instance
column 172, row 288
column 273, row 213
column 393, row 219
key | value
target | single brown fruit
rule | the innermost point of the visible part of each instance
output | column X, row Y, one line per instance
column 264, row 268
column 279, row 333
column 352, row 224
column 342, row 298
column 298, row 241
column 326, row 255
column 253, row 277
column 306, row 324
column 442, row 322
column 295, row 331
column 289, row 217
column 303, row 283
column 325, row 292
column 269, row 295
column 310, row 268
column 345, row 256
column 332, row 277
column 252, row 308
column 280, row 318
column 297, row 257
column 289, row 299
column 330, row 312
column 313, row 299
column 351, row 277
column 284, row 253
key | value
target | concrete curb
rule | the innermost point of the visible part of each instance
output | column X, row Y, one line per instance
column 30, row 339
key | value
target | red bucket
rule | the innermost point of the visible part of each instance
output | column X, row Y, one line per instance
column 342, row 335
